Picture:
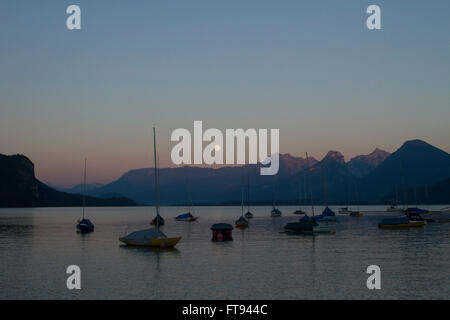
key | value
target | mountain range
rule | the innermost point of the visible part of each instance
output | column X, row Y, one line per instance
column 365, row 178
column 368, row 178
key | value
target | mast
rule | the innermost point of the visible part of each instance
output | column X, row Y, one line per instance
column 310, row 189
column 242, row 201
column 248, row 192
column 84, row 187
column 156, row 179
column 405, row 195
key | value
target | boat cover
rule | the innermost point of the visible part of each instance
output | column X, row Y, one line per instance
column 145, row 236
column 185, row 216
column 241, row 219
column 87, row 222
column 328, row 212
column 394, row 221
column 221, row 227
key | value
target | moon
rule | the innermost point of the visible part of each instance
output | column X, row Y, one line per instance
column 217, row 147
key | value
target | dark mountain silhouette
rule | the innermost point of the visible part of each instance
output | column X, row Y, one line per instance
column 330, row 179
column 416, row 163
column 438, row 193
column 20, row 188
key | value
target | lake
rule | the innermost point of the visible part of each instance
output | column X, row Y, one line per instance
column 37, row 245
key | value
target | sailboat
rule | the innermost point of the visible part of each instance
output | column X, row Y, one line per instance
column 299, row 211
column 241, row 223
column 327, row 215
column 357, row 213
column 248, row 214
column 394, row 207
column 309, row 225
column 275, row 212
column 152, row 237
column 187, row 217
column 84, row 225
column 158, row 220
column 410, row 219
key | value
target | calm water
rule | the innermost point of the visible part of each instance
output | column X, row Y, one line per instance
column 37, row 245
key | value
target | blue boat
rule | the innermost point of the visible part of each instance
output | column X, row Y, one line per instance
column 275, row 212
column 241, row 223
column 188, row 217
column 85, row 225
column 327, row 215
column 248, row 215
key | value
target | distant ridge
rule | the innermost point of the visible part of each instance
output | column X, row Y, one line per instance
column 375, row 176
column 415, row 163
column 20, row 188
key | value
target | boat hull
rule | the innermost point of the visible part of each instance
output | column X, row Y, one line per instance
column 157, row 243
column 85, row 229
column 187, row 219
column 242, row 225
column 411, row 224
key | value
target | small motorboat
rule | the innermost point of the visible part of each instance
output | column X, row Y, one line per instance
column 157, row 221
column 356, row 214
column 327, row 215
column 241, row 223
column 248, row 215
column 410, row 220
column 221, row 232
column 345, row 210
column 445, row 210
column 85, row 225
column 275, row 212
column 299, row 212
column 187, row 217
column 394, row 208
column 308, row 225
column 304, row 226
column 418, row 211
column 152, row 237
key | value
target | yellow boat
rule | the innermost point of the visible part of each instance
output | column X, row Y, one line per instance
column 154, row 242
column 401, row 222
column 412, row 224
column 152, row 237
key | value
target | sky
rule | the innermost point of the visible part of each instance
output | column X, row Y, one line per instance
column 310, row 68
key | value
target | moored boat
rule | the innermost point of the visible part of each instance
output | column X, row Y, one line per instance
column 152, row 237
column 345, row 210
column 84, row 225
column 394, row 208
column 187, row 217
column 248, row 215
column 221, row 232
column 410, row 220
column 304, row 225
column 275, row 212
column 356, row 214
column 327, row 215
column 241, row 223
column 157, row 221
